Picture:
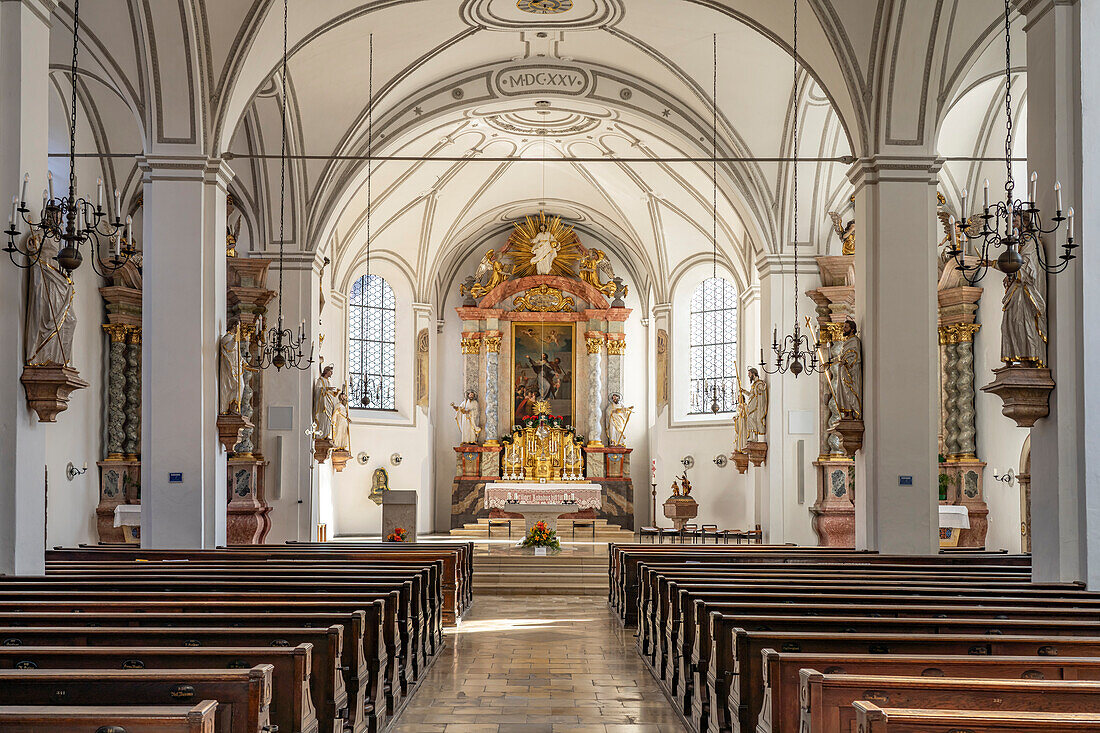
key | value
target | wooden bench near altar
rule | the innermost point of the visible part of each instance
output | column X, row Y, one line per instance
column 542, row 502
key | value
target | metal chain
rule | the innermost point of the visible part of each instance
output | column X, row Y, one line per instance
column 1009, row 183
column 282, row 168
column 714, row 162
column 370, row 136
column 72, row 111
column 794, row 128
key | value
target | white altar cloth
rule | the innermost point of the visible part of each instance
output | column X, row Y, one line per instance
column 956, row 516
column 128, row 515
column 587, row 496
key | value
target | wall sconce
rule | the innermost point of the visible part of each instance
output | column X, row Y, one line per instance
column 72, row 471
column 395, row 459
column 720, row 460
column 1008, row 478
column 362, row 458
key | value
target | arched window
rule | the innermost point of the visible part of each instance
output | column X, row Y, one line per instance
column 372, row 334
column 713, row 346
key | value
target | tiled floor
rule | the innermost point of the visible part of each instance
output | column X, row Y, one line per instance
column 541, row 665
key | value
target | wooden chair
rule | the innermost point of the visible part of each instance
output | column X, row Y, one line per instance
column 499, row 523
column 689, row 530
column 649, row 532
column 711, row 529
column 670, row 532
column 584, row 524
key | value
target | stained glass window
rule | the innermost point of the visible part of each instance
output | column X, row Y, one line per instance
column 372, row 335
column 713, row 340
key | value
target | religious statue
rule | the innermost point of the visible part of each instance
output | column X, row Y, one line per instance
column 51, row 319
column 379, row 485
column 490, row 266
column 846, row 232
column 675, row 488
column 756, row 406
column 341, row 424
column 325, row 399
column 685, row 485
column 232, row 231
column 544, row 249
column 230, row 372
column 594, row 264
column 617, row 418
column 1023, row 325
column 467, row 415
column 846, row 373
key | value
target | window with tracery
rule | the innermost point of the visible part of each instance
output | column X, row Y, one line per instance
column 713, row 346
column 372, row 343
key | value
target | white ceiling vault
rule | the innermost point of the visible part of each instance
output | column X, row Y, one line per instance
column 478, row 79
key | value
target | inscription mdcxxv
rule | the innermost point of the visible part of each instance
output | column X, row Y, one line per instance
column 517, row 80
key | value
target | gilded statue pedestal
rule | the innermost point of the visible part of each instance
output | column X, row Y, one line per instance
column 1025, row 392
column 247, row 521
column 48, row 387
column 834, row 511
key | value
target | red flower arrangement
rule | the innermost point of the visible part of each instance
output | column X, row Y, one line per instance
column 541, row 536
column 397, row 535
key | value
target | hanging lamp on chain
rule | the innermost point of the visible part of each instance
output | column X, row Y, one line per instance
column 795, row 353
column 281, row 347
column 372, row 392
column 70, row 220
column 1011, row 224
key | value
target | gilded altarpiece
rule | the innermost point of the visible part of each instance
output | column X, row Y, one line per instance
column 540, row 337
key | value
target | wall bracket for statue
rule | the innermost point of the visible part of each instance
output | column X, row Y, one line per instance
column 230, row 426
column 850, row 430
column 757, row 452
column 1025, row 392
column 322, row 449
column 740, row 461
column 48, row 387
column 340, row 458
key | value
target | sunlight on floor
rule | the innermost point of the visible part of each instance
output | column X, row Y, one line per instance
column 512, row 624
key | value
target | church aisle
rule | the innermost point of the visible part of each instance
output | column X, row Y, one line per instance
column 543, row 664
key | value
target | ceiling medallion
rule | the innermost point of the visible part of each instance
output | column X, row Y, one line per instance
column 544, row 7
column 544, row 299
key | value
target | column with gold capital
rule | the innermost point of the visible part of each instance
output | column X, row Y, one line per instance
column 594, row 341
column 616, row 349
column 471, row 358
column 116, row 394
column 492, row 341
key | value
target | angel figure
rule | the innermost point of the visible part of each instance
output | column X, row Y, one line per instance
column 490, row 266
column 846, row 232
column 594, row 265
column 232, row 231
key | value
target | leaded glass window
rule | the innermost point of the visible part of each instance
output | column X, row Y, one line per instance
column 713, row 347
column 372, row 335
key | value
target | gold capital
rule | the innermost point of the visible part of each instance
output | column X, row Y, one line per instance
column 471, row 345
column 116, row 331
column 492, row 343
column 958, row 333
column 616, row 346
column 594, row 343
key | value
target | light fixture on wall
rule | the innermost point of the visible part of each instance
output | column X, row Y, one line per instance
column 1013, row 223
column 796, row 352
column 70, row 220
column 280, row 347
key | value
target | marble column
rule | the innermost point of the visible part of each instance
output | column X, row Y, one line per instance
column 594, row 342
column 25, row 88
column 471, row 361
column 959, row 431
column 616, row 349
column 132, row 444
column 895, row 281
column 491, row 431
column 1063, row 143
column 183, row 465
column 116, row 391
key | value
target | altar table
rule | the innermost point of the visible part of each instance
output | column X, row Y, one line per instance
column 542, row 502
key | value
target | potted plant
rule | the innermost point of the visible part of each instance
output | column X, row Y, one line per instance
column 542, row 539
column 397, row 535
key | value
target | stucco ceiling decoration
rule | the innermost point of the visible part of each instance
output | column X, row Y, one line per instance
column 510, row 15
column 542, row 123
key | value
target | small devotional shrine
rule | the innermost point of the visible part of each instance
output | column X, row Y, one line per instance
column 542, row 353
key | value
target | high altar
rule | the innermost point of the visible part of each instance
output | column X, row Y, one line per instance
column 542, row 354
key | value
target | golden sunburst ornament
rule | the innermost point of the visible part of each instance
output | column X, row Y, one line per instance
column 543, row 245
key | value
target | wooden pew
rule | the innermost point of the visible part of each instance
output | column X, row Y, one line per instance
column 827, row 703
column 872, row 719
column 243, row 696
column 151, row 719
column 291, row 702
column 326, row 681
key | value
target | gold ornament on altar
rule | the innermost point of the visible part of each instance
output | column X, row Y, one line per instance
column 544, row 299
column 471, row 346
column 543, row 245
column 542, row 449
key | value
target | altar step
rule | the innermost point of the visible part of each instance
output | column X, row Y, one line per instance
column 526, row 574
column 605, row 532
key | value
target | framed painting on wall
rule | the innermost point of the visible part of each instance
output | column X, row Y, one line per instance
column 543, row 363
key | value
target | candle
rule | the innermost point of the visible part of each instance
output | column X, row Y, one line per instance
column 118, row 244
column 49, row 181
column 45, row 198
column 964, row 209
column 26, row 180
column 1070, row 222
column 985, row 207
column 129, row 231
column 118, row 205
column 99, row 194
column 953, row 225
column 1034, row 187
column 14, row 206
column 1058, row 194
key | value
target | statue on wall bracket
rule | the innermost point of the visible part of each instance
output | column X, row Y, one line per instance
column 846, row 232
column 756, row 418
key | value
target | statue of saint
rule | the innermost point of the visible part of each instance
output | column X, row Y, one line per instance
column 51, row 318
column 617, row 418
column 324, row 403
column 846, row 233
column 1023, row 325
column 230, row 372
column 341, row 424
column 756, row 407
column 467, row 415
column 544, row 250
column 846, row 373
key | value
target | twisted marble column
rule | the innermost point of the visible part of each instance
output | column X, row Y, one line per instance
column 133, row 392
column 492, row 387
column 116, row 385
column 960, row 431
column 594, row 342
column 950, row 400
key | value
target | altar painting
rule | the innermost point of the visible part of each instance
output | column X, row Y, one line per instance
column 542, row 369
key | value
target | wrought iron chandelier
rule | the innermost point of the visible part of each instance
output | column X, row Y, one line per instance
column 1012, row 223
column 280, row 347
column 796, row 353
column 70, row 220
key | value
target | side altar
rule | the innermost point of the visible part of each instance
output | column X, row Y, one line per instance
column 543, row 345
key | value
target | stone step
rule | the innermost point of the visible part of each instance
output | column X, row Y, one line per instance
column 605, row 531
column 512, row 571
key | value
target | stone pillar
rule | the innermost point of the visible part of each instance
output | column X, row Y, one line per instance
column 594, row 343
column 116, row 391
column 471, row 359
column 132, row 443
column 1063, row 127
column 491, row 432
column 616, row 349
column 24, row 142
column 183, row 465
column 896, row 504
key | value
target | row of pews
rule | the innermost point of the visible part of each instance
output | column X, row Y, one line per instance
column 297, row 638
column 777, row 639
